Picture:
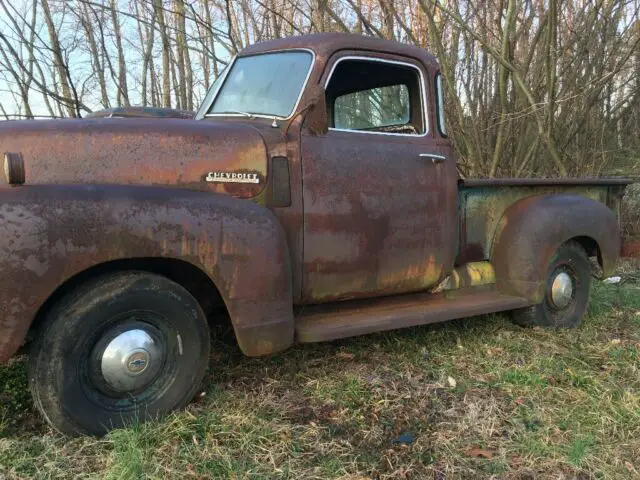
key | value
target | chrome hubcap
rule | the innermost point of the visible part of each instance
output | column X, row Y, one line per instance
column 562, row 290
column 131, row 361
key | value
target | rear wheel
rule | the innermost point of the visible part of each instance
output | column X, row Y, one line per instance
column 121, row 349
column 566, row 294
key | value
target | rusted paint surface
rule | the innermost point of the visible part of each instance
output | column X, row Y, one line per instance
column 348, row 234
column 483, row 206
column 368, row 216
column 49, row 233
column 326, row 44
column 472, row 274
column 142, row 112
column 532, row 229
column 357, row 317
column 138, row 152
column 378, row 218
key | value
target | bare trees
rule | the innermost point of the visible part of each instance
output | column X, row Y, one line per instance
column 534, row 87
column 532, row 76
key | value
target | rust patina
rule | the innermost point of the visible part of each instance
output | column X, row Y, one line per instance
column 483, row 204
column 178, row 153
column 334, row 215
column 50, row 233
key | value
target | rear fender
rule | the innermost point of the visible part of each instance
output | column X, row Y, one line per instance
column 50, row 233
column 532, row 229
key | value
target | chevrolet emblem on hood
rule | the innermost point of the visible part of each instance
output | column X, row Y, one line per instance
column 226, row 177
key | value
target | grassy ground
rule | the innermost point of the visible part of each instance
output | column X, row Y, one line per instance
column 475, row 398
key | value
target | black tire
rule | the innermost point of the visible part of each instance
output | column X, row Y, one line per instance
column 571, row 259
column 67, row 361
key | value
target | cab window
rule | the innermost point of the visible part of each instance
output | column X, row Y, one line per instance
column 376, row 96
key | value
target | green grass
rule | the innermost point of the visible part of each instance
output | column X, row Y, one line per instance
column 524, row 403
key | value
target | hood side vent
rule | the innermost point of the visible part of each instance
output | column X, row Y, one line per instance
column 279, row 185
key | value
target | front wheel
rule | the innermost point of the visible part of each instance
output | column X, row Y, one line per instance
column 566, row 292
column 124, row 348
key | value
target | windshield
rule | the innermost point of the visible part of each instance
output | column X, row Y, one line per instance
column 268, row 84
column 210, row 93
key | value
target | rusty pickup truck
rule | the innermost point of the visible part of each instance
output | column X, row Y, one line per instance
column 313, row 196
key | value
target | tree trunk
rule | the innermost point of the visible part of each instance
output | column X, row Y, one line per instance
column 60, row 67
column 181, row 51
column 98, row 69
column 123, row 90
column 166, row 47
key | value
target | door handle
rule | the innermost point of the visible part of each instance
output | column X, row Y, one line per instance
column 433, row 157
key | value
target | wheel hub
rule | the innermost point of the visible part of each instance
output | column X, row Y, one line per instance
column 131, row 360
column 561, row 290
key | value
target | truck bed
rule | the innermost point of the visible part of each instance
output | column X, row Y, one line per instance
column 531, row 182
column 482, row 203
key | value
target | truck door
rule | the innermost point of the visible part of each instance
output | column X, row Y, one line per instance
column 379, row 190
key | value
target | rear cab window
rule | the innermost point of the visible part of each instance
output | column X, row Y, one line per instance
column 442, row 129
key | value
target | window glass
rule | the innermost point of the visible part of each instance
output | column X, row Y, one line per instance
column 440, row 99
column 267, row 84
column 376, row 96
column 373, row 108
column 209, row 96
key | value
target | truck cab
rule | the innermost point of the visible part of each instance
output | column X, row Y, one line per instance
column 376, row 182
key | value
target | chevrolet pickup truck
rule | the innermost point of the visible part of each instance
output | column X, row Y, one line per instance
column 313, row 196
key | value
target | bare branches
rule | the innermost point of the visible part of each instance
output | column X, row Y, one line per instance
column 533, row 87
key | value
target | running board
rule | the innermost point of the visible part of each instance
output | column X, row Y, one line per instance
column 321, row 323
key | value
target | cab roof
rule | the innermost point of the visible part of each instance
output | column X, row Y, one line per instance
column 326, row 44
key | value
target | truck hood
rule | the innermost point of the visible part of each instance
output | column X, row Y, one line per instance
column 222, row 157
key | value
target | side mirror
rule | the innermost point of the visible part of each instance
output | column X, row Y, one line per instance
column 316, row 120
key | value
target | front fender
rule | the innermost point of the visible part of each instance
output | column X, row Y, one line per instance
column 532, row 229
column 50, row 233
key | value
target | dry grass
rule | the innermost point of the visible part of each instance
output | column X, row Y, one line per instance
column 475, row 398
